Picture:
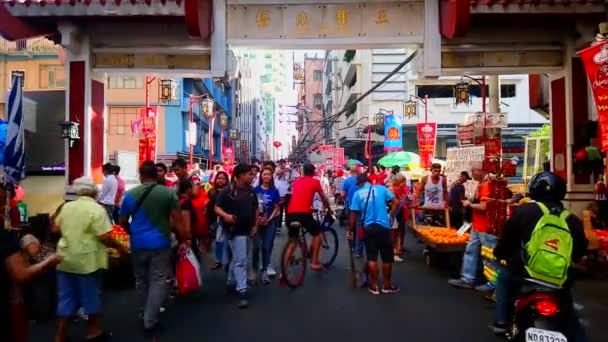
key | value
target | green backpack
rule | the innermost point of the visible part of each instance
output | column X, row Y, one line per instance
column 549, row 251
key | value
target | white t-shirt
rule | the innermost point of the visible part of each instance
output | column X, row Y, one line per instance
column 108, row 191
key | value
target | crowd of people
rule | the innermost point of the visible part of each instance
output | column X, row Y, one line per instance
column 233, row 217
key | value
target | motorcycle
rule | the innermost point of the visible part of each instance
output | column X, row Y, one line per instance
column 541, row 313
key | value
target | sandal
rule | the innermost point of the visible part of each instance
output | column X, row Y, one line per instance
column 316, row 267
column 104, row 336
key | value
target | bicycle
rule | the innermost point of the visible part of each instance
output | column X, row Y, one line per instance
column 293, row 271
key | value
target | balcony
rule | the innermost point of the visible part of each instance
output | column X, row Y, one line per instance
column 30, row 46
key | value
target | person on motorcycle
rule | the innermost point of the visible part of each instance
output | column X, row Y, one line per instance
column 547, row 190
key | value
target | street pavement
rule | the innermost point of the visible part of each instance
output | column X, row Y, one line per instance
column 325, row 309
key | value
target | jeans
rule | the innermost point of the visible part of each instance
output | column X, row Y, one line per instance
column 237, row 271
column 508, row 286
column 472, row 258
column 151, row 268
column 263, row 242
column 110, row 210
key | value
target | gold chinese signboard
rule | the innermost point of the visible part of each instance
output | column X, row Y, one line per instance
column 381, row 22
column 161, row 62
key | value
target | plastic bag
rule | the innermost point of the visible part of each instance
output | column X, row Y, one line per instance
column 188, row 272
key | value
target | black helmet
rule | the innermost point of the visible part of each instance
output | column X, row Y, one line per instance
column 547, row 187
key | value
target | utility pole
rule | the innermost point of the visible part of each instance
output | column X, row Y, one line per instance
column 494, row 90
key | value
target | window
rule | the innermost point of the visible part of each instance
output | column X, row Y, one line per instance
column 318, row 101
column 317, row 75
column 21, row 45
column 125, row 82
column 120, row 119
column 52, row 77
column 507, row 90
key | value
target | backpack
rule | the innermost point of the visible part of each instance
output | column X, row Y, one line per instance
column 549, row 251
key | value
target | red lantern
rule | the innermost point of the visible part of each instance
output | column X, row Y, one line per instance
column 277, row 144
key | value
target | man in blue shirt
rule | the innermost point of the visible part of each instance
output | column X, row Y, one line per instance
column 370, row 203
column 349, row 188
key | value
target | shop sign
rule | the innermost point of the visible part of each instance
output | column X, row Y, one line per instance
column 391, row 20
column 460, row 159
column 466, row 135
column 393, row 138
column 160, row 62
column 427, row 136
column 595, row 59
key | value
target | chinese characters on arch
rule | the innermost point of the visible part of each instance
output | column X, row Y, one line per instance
column 337, row 20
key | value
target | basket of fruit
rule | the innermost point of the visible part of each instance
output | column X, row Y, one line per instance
column 121, row 236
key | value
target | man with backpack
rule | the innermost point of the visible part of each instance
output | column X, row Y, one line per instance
column 153, row 210
column 552, row 240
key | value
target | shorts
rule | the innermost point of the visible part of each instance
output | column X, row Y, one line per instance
column 307, row 221
column 78, row 290
column 378, row 240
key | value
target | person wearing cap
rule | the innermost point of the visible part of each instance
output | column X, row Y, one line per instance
column 85, row 233
column 369, row 205
column 456, row 196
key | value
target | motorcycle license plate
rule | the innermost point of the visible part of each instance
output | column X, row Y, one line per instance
column 541, row 335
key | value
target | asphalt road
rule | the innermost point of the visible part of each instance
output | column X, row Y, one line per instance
column 325, row 309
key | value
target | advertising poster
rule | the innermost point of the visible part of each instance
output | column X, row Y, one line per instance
column 427, row 135
column 393, row 139
column 460, row 159
column 466, row 135
column 228, row 154
column 595, row 59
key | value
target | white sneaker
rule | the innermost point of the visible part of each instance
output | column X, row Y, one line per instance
column 398, row 258
column 270, row 271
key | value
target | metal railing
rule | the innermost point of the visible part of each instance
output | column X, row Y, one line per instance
column 35, row 45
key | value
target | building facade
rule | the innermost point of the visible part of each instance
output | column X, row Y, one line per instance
column 357, row 71
column 310, row 101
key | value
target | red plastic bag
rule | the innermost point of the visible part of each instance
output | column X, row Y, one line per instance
column 188, row 273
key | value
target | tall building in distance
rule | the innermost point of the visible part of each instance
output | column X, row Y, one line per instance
column 271, row 91
column 310, row 102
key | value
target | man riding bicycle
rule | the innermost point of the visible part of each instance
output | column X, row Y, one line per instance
column 300, row 210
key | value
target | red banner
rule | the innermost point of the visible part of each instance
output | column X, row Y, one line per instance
column 493, row 147
column 427, row 135
column 228, row 154
column 595, row 59
column 147, row 149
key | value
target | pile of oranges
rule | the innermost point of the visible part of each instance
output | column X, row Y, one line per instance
column 444, row 236
column 121, row 236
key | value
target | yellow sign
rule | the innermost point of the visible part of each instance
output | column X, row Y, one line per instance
column 131, row 61
column 302, row 19
column 382, row 18
column 262, row 18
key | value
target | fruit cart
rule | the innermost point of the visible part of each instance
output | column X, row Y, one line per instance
column 119, row 271
column 442, row 241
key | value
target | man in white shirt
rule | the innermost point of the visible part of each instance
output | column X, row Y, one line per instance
column 107, row 195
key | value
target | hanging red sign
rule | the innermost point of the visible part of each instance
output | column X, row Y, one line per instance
column 147, row 149
column 228, row 155
column 427, row 135
column 595, row 59
column 277, row 144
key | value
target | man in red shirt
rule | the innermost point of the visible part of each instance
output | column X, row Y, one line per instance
column 300, row 210
column 381, row 176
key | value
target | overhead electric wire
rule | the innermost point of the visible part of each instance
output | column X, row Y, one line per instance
column 359, row 99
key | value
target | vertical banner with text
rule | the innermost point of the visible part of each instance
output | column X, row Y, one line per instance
column 595, row 59
column 393, row 140
column 427, row 135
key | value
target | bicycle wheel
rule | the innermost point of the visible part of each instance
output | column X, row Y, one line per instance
column 293, row 267
column 329, row 247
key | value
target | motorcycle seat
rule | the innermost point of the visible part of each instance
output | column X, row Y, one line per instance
column 534, row 285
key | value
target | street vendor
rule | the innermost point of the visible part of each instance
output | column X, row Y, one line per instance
column 434, row 188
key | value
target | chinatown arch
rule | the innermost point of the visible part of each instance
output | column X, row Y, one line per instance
column 190, row 38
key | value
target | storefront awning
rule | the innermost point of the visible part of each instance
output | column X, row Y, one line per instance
column 455, row 15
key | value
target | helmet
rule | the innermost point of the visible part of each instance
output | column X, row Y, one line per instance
column 547, row 187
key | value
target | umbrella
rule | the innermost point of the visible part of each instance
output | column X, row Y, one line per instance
column 353, row 162
column 401, row 158
column 14, row 152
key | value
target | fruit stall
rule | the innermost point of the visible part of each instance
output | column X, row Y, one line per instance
column 443, row 243
column 120, row 269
